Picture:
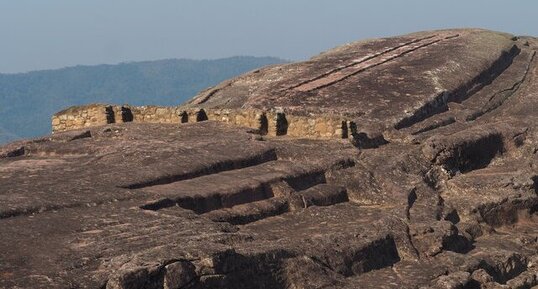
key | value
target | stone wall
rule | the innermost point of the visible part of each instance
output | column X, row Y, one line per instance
column 274, row 122
column 77, row 117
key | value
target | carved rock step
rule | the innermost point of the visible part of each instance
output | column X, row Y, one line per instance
column 498, row 194
column 344, row 237
column 472, row 148
column 230, row 188
column 502, row 265
column 209, row 165
column 246, row 213
column 318, row 195
column 322, row 195
column 404, row 274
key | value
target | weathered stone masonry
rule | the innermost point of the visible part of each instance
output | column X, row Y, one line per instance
column 274, row 122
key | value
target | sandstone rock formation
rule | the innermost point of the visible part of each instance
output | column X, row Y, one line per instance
column 403, row 162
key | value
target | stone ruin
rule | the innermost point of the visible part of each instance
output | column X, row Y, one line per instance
column 275, row 122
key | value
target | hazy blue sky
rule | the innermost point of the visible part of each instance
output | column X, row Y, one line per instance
column 39, row 34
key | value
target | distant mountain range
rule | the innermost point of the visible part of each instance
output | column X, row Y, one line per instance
column 28, row 100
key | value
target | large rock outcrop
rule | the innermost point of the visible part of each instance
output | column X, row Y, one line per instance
column 404, row 162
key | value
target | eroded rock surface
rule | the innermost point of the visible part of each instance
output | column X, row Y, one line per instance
column 434, row 187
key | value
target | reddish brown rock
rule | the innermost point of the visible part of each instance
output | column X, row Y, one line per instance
column 404, row 162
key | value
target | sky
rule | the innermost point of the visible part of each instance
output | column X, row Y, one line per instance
column 38, row 34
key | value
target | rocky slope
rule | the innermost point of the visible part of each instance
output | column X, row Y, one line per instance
column 434, row 186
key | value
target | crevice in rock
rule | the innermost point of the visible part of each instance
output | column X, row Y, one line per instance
column 411, row 198
column 414, row 248
column 535, row 182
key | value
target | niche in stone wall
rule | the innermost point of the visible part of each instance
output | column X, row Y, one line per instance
column 264, row 125
column 184, row 117
column 352, row 128
column 281, row 124
column 345, row 133
column 201, row 115
column 126, row 114
column 109, row 112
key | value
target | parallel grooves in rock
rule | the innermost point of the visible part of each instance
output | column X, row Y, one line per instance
column 358, row 62
column 328, row 81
